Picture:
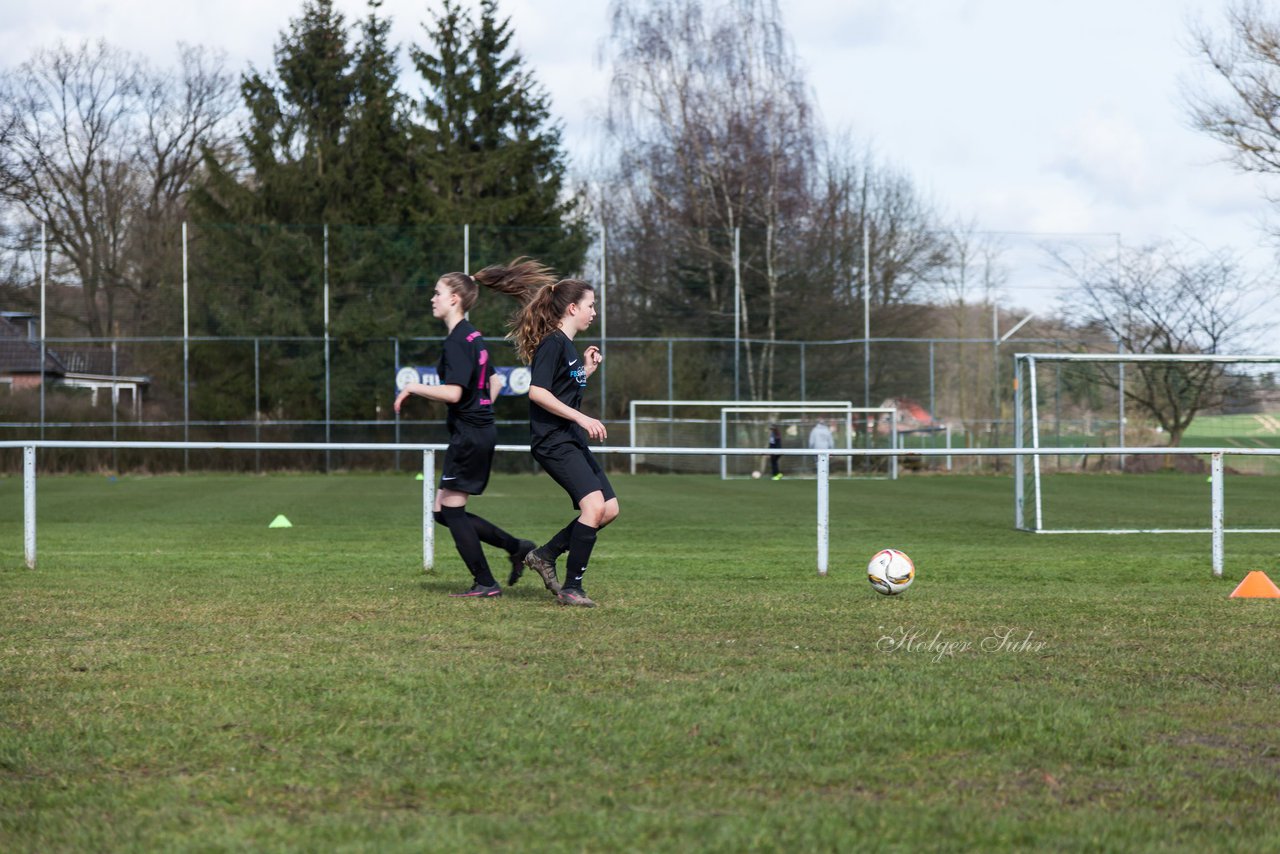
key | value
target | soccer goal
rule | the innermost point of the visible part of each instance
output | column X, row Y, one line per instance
column 745, row 424
column 1085, row 402
column 849, row 427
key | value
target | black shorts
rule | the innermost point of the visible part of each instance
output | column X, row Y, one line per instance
column 469, row 458
column 574, row 467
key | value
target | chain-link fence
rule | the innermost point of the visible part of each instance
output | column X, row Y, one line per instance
column 278, row 333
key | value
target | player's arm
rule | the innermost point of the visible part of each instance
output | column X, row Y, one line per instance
column 496, row 382
column 442, row 393
column 551, row 403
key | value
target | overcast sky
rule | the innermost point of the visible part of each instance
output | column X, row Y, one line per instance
column 1023, row 115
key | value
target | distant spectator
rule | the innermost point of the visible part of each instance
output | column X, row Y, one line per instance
column 775, row 441
column 821, row 438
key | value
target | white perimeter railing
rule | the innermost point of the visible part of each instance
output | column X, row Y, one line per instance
column 823, row 470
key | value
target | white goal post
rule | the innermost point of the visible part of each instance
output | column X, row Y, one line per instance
column 705, row 424
column 1077, row 402
column 671, row 405
column 872, row 418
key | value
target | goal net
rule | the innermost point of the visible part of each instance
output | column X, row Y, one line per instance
column 743, row 424
column 1085, row 402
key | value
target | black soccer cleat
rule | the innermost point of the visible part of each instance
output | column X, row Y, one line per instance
column 517, row 560
column 574, row 596
column 546, row 569
column 479, row 591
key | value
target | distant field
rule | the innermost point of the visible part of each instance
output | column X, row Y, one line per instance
column 1258, row 426
column 177, row 676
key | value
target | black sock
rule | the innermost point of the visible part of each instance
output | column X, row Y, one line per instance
column 582, row 541
column 492, row 534
column 559, row 544
column 468, row 543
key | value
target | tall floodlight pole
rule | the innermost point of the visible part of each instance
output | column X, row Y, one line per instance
column 995, row 372
column 866, row 310
column 1120, row 349
column 604, row 317
column 44, row 279
column 466, row 256
column 186, row 354
column 327, row 403
column 737, row 308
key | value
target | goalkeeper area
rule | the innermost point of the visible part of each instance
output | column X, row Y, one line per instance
column 746, row 424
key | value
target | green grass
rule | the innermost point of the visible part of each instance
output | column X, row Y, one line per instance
column 176, row 676
column 1261, row 426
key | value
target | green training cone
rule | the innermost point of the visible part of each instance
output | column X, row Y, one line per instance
column 280, row 522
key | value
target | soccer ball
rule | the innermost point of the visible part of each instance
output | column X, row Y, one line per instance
column 756, row 475
column 890, row 572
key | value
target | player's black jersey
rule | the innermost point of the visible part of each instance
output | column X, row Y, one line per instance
column 558, row 368
column 465, row 362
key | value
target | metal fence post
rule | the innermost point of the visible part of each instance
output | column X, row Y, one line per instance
column 29, row 504
column 824, row 510
column 1217, row 512
column 428, row 506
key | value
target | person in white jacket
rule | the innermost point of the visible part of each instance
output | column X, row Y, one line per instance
column 821, row 438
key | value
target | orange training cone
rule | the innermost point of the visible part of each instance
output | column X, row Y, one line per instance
column 1256, row 585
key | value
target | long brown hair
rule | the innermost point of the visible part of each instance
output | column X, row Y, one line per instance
column 543, row 300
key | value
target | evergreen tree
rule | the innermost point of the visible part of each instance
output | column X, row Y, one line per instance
column 326, row 143
column 331, row 141
column 491, row 151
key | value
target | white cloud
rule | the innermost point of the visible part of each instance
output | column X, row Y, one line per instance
column 1110, row 158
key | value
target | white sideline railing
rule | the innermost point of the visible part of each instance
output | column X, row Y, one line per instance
column 823, row 472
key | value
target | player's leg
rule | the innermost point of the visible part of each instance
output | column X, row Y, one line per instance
column 596, row 510
column 465, row 473
column 569, row 466
column 451, row 512
column 468, row 464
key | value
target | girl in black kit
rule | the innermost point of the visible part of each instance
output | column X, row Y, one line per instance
column 468, row 385
column 543, row 330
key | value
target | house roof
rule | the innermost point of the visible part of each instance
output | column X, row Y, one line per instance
column 20, row 356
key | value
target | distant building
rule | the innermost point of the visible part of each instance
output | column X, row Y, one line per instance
column 21, row 366
column 911, row 414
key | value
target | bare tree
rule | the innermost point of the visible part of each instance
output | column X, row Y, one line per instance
column 103, row 150
column 967, row 287
column 1237, row 105
column 1163, row 300
column 711, row 126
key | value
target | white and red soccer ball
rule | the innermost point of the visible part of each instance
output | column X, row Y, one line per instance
column 891, row 572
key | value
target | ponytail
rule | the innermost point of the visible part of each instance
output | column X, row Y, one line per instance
column 543, row 300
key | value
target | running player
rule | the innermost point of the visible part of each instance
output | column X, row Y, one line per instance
column 468, row 385
column 551, row 315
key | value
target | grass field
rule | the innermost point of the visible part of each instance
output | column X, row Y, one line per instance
column 176, row 676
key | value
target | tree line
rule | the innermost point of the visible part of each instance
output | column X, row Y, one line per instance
column 718, row 204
